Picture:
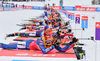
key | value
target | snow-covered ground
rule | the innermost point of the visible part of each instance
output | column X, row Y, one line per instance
column 9, row 19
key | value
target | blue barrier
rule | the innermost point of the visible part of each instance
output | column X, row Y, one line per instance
column 97, row 8
column 68, row 8
column 6, row 9
column 37, row 8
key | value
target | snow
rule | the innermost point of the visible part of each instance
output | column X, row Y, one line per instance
column 9, row 19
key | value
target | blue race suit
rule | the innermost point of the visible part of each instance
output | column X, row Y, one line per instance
column 39, row 42
column 41, row 27
column 33, row 34
column 67, row 47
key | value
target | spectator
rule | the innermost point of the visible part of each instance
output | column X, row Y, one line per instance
column 6, row 6
column 53, row 4
column 61, row 2
column 16, row 5
column 23, row 6
column 2, row 5
column 9, row 6
column 13, row 6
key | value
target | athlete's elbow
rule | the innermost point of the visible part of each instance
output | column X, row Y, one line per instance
column 45, row 52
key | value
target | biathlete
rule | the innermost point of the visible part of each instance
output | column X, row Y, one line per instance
column 41, row 27
column 45, row 44
column 39, row 44
column 26, row 34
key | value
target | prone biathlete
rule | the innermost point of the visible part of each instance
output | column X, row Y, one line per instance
column 45, row 44
column 30, row 24
column 41, row 27
column 36, row 28
column 36, row 22
column 26, row 34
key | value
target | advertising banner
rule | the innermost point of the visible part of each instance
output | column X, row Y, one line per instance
column 79, row 8
column 56, row 7
column 37, row 8
column 20, row 6
column 98, row 9
column 1, row 8
column 12, row 9
column 28, row 7
column 68, row 8
column 16, row 9
column 6, row 9
column 97, row 31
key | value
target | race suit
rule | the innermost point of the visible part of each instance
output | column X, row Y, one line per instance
column 28, row 45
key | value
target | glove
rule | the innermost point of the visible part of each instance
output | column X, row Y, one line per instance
column 73, row 41
column 56, row 44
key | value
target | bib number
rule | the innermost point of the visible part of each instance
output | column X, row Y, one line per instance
column 41, row 27
column 32, row 34
column 37, row 23
column 21, row 45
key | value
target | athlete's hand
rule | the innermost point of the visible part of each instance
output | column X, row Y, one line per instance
column 56, row 44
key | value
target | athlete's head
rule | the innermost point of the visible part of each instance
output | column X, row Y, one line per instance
column 48, row 36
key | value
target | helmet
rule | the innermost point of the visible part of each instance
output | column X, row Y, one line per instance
column 49, row 34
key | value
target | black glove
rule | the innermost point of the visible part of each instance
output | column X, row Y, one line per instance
column 73, row 41
column 56, row 44
column 69, row 30
column 22, row 28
